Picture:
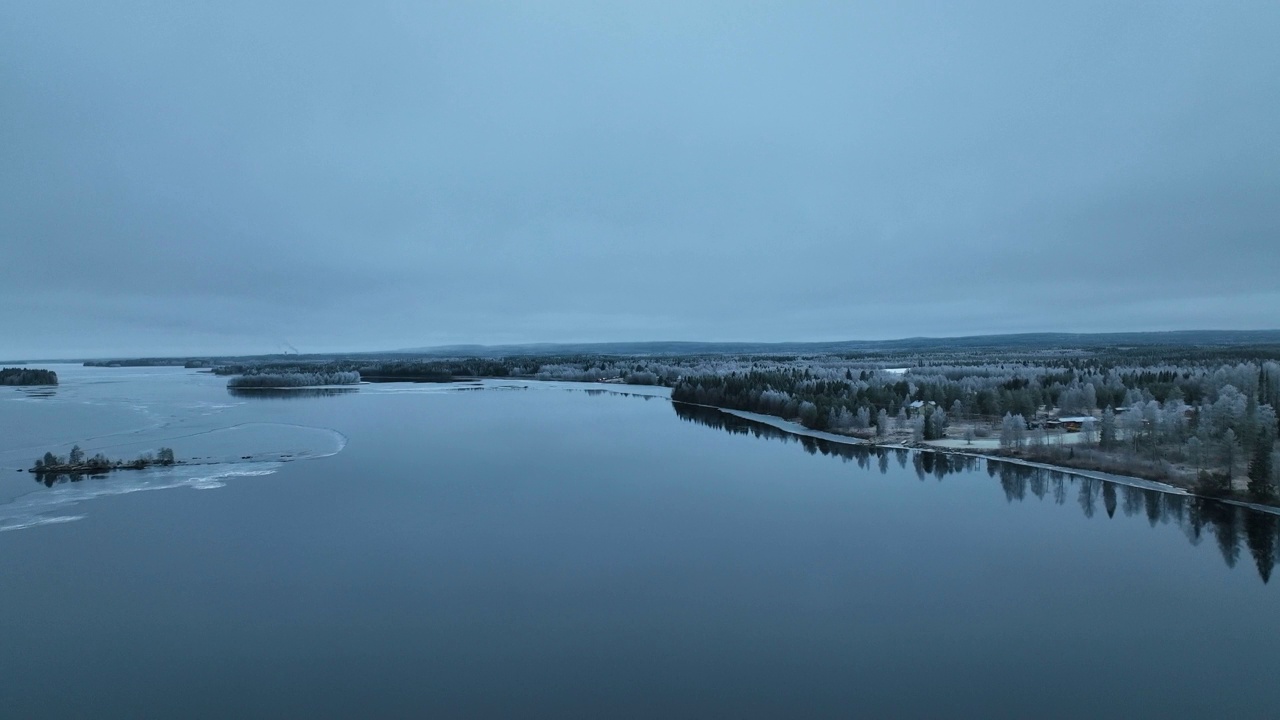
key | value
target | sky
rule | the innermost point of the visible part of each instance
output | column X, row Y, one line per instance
column 242, row 177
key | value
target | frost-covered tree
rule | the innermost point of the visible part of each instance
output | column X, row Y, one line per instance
column 265, row 380
column 1195, row 452
column 1231, row 450
column 808, row 414
column 1108, row 434
column 1013, row 431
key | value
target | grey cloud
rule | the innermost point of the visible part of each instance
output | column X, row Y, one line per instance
column 200, row 179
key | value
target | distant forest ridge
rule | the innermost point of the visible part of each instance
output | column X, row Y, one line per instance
column 1015, row 341
column 1025, row 342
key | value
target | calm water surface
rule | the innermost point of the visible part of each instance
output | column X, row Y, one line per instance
column 420, row 550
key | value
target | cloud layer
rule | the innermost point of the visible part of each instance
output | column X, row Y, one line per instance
column 179, row 179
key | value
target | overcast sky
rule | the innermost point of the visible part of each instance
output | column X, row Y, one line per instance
column 223, row 177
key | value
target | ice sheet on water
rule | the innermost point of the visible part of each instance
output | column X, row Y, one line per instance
column 47, row 506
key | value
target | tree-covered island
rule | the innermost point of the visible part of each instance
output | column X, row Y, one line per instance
column 27, row 376
column 279, row 380
column 76, row 463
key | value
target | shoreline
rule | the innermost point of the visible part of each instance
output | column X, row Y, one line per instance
column 292, row 387
column 798, row 430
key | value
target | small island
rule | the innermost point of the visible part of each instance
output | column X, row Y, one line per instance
column 77, row 464
column 27, row 376
column 299, row 379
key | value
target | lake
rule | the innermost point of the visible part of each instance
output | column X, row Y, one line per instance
column 523, row 549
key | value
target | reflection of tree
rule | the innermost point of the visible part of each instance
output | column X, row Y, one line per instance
column 1225, row 522
column 1131, row 500
column 714, row 418
column 1088, row 496
column 943, row 465
column 864, row 460
column 1194, row 529
column 1039, row 484
column 810, row 445
column 1155, row 508
column 288, row 394
column 1260, row 535
column 1109, row 498
column 1013, row 478
column 1175, row 508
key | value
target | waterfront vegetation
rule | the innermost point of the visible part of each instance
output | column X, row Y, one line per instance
column 1207, row 425
column 1231, row 527
column 77, row 463
column 277, row 379
column 1195, row 410
column 27, row 376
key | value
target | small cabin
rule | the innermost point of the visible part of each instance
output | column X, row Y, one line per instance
column 916, row 407
column 1074, row 424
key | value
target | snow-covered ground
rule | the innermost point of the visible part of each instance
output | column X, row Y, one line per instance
column 993, row 443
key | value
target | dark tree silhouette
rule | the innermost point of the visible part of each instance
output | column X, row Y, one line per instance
column 1260, row 486
column 1260, row 535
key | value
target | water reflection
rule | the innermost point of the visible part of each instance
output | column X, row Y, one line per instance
column 1232, row 527
column 289, row 393
column 596, row 392
column 51, row 479
column 711, row 417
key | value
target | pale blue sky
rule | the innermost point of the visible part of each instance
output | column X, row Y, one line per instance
column 188, row 178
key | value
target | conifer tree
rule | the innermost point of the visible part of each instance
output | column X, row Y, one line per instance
column 1260, row 486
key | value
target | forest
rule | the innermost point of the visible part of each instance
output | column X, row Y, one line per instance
column 1184, row 418
column 27, row 376
column 275, row 380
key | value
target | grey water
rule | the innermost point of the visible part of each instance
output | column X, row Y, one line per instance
column 522, row 549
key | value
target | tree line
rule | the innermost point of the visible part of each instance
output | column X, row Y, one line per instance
column 275, row 380
column 1197, row 424
column 27, row 376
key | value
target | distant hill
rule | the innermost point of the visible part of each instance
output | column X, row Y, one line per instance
column 1181, row 338
column 1266, row 340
